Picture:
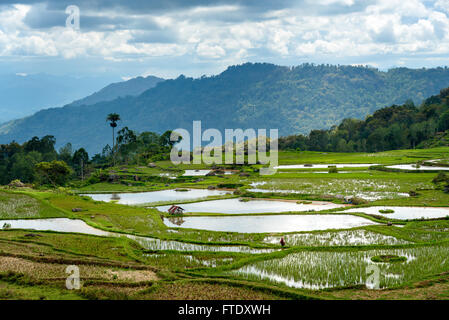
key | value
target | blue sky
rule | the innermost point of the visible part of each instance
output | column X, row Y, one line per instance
column 167, row 38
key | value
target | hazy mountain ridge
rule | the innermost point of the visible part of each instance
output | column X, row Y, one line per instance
column 294, row 100
column 132, row 87
column 22, row 94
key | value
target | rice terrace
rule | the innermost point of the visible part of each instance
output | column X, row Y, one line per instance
column 255, row 156
column 128, row 246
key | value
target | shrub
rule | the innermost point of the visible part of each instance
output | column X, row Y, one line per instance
column 386, row 211
column 356, row 201
column 93, row 179
column 388, row 259
column 441, row 177
column 333, row 170
column 54, row 173
column 229, row 185
column 413, row 193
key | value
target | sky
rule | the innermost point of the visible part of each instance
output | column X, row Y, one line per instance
column 166, row 38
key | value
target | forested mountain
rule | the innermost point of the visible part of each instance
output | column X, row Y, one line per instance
column 397, row 127
column 132, row 87
column 292, row 99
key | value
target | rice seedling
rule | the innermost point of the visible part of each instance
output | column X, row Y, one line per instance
column 370, row 186
column 157, row 244
column 18, row 206
column 342, row 238
column 327, row 269
column 388, row 259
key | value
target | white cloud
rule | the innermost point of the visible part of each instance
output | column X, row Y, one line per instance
column 443, row 5
column 330, row 2
column 222, row 33
column 279, row 40
column 208, row 50
column 11, row 18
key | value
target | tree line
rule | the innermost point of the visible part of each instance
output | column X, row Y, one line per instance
column 397, row 127
column 36, row 161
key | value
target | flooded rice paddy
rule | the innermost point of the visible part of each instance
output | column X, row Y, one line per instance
column 358, row 237
column 404, row 213
column 194, row 173
column 325, row 166
column 369, row 189
column 156, row 196
column 370, row 196
column 415, row 167
column 236, row 206
column 271, row 223
column 157, row 244
column 54, row 224
column 321, row 269
column 79, row 226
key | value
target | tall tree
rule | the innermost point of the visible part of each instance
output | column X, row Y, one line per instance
column 126, row 142
column 113, row 118
column 80, row 160
column 65, row 153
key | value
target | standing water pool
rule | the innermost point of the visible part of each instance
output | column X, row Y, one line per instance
column 156, row 196
column 272, row 223
column 235, row 206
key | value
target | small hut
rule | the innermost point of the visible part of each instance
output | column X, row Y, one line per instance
column 175, row 210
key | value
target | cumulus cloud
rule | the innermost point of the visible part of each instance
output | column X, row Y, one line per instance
column 443, row 5
column 224, row 31
column 210, row 50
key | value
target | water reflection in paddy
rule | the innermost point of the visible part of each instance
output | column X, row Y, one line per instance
column 403, row 213
column 272, row 223
column 320, row 269
column 196, row 172
column 79, row 226
column 341, row 238
column 235, row 206
column 414, row 167
column 368, row 195
column 327, row 172
column 157, row 244
column 325, row 166
column 156, row 196
column 55, row 224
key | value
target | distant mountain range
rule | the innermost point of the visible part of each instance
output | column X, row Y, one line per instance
column 292, row 99
column 23, row 94
column 132, row 87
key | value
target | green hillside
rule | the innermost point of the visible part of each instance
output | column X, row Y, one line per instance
column 396, row 127
column 292, row 99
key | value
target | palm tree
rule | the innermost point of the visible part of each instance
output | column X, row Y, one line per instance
column 113, row 118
